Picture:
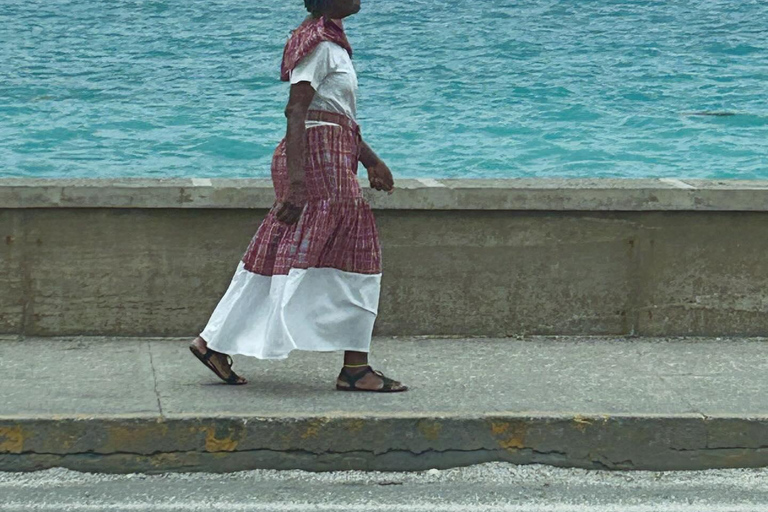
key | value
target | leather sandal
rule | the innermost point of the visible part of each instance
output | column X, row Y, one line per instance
column 232, row 379
column 390, row 385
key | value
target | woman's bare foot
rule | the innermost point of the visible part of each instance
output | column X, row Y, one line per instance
column 220, row 364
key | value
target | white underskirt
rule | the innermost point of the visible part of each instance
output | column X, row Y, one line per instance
column 317, row 309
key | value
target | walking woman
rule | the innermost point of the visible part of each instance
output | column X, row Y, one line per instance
column 311, row 276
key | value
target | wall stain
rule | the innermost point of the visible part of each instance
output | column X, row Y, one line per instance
column 510, row 436
column 11, row 439
column 313, row 428
column 581, row 423
column 215, row 444
column 127, row 438
column 430, row 430
column 355, row 426
column 498, row 428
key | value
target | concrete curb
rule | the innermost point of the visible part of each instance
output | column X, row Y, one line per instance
column 387, row 442
column 666, row 194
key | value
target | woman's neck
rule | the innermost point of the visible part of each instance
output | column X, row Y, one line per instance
column 338, row 22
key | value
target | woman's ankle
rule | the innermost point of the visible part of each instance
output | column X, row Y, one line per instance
column 354, row 360
column 354, row 369
column 201, row 343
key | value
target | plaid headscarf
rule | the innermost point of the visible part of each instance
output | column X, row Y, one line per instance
column 306, row 38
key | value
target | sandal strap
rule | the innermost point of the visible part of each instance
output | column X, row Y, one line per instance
column 352, row 378
column 388, row 383
column 232, row 378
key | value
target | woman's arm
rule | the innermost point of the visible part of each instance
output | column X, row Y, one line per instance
column 379, row 174
column 367, row 157
column 299, row 100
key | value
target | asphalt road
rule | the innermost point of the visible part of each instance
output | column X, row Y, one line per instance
column 493, row 487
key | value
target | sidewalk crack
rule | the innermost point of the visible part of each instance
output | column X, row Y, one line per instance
column 154, row 378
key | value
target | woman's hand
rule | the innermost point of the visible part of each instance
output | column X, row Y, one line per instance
column 378, row 173
column 380, row 177
column 289, row 213
column 289, row 209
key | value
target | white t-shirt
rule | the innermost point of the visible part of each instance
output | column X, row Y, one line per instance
column 330, row 71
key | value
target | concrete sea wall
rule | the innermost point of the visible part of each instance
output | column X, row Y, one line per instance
column 461, row 257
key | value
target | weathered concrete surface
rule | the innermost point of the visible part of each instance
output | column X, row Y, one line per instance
column 161, row 272
column 128, row 271
column 123, row 405
column 13, row 275
column 412, row 194
column 461, row 257
column 505, row 273
column 701, row 273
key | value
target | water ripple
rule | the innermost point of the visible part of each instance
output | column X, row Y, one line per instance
column 449, row 88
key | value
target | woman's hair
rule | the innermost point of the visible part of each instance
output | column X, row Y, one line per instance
column 315, row 6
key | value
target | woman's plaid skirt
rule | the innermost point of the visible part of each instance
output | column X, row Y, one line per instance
column 313, row 285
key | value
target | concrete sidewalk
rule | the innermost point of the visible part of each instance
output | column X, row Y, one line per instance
column 124, row 405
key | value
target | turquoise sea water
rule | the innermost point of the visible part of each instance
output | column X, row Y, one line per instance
column 448, row 88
